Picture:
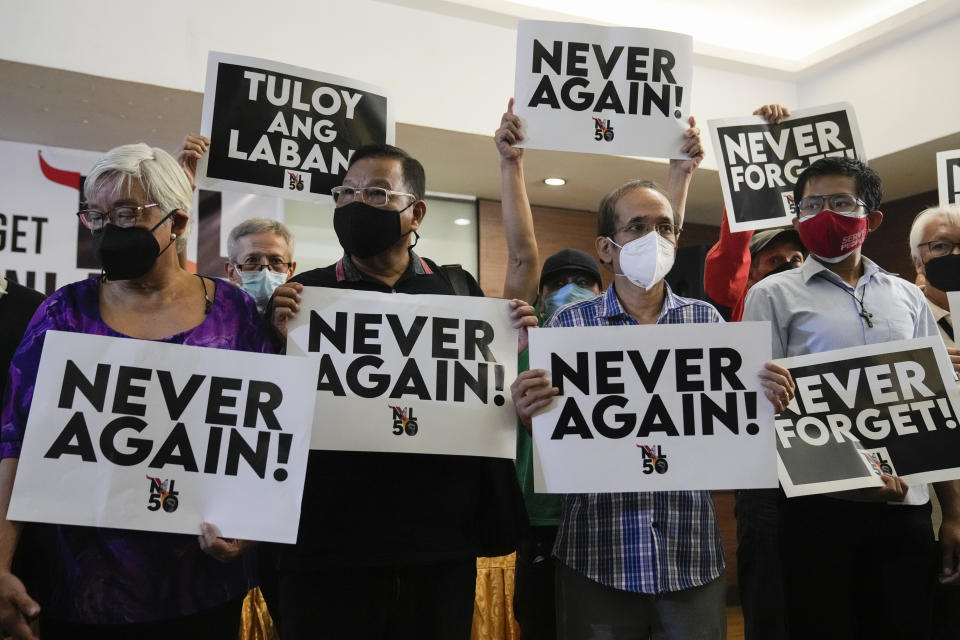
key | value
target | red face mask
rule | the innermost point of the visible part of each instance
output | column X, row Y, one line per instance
column 832, row 236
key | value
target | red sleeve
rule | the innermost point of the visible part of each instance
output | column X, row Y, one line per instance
column 728, row 266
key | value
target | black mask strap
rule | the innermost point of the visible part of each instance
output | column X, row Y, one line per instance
column 154, row 228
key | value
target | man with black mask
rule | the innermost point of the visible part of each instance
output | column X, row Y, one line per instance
column 388, row 542
column 935, row 249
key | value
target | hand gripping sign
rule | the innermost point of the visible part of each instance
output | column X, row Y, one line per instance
column 653, row 407
column 759, row 162
column 594, row 89
column 409, row 373
column 863, row 411
column 153, row 436
column 285, row 131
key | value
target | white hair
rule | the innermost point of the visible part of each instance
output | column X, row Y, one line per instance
column 162, row 179
column 952, row 215
column 254, row 226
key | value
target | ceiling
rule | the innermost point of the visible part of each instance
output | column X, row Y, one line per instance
column 54, row 107
column 781, row 35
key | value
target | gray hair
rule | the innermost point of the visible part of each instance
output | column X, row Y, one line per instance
column 161, row 178
column 606, row 216
column 254, row 226
column 950, row 212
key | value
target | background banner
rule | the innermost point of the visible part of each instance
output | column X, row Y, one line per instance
column 665, row 412
column 610, row 90
column 285, row 131
column 759, row 162
column 43, row 245
column 152, row 436
column 889, row 407
column 409, row 373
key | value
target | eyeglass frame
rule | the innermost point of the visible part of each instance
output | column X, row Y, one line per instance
column 826, row 200
column 390, row 193
column 110, row 215
column 260, row 266
column 954, row 246
column 674, row 233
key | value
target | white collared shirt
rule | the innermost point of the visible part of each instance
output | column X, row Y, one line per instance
column 812, row 310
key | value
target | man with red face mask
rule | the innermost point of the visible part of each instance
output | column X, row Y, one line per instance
column 858, row 563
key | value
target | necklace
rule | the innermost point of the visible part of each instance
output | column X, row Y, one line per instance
column 866, row 315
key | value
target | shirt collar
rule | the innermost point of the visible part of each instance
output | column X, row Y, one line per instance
column 610, row 306
column 3, row 286
column 347, row 271
column 812, row 266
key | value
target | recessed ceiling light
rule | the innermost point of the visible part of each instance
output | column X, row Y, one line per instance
column 461, row 222
column 555, row 182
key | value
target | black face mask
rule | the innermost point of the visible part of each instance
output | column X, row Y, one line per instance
column 364, row 230
column 944, row 272
column 126, row 253
column 786, row 266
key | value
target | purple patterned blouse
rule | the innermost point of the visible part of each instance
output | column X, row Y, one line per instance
column 110, row 576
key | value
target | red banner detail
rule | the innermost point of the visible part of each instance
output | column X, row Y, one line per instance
column 59, row 176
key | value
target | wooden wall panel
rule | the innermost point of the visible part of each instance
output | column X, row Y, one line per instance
column 555, row 229
column 888, row 246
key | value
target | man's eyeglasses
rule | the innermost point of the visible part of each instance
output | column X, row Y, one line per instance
column 374, row 196
column 275, row 264
column 640, row 228
column 837, row 202
column 125, row 216
column 939, row 248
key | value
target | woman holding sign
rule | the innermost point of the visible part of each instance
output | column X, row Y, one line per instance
column 110, row 582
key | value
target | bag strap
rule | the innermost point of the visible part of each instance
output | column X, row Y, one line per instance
column 457, row 277
column 947, row 328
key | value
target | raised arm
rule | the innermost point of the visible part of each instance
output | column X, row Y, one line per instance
column 523, row 258
column 681, row 171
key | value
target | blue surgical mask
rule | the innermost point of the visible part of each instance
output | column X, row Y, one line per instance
column 566, row 294
column 261, row 285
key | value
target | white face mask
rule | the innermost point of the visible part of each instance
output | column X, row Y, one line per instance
column 261, row 285
column 646, row 260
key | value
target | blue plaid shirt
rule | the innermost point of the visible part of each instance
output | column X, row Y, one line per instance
column 647, row 542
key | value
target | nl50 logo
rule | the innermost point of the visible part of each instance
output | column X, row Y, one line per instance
column 162, row 495
column 404, row 422
column 654, row 459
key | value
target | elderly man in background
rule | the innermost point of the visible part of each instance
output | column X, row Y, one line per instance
column 260, row 258
column 935, row 249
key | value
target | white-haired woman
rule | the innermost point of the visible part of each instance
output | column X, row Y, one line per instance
column 112, row 583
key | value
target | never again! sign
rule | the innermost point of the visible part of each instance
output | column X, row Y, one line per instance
column 603, row 90
column 137, row 434
column 653, row 407
column 409, row 373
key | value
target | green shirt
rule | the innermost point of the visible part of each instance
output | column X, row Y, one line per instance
column 544, row 509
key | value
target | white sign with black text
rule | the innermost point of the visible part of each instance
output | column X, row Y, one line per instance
column 654, row 407
column 152, row 436
column 409, row 373
column 609, row 90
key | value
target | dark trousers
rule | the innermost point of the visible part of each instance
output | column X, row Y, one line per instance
column 422, row 602
column 858, row 570
column 759, row 515
column 218, row 623
column 533, row 595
